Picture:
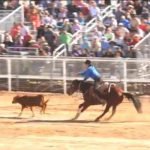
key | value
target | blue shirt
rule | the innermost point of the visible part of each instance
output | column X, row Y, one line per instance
column 126, row 23
column 90, row 72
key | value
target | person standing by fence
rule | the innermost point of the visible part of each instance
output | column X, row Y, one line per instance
column 65, row 38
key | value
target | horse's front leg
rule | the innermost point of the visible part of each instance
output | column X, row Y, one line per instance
column 82, row 107
column 105, row 111
column 113, row 112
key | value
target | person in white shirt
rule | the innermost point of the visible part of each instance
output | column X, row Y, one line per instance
column 94, row 9
column 24, row 30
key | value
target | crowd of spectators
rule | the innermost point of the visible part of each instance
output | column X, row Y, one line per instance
column 117, row 35
column 9, row 4
column 54, row 22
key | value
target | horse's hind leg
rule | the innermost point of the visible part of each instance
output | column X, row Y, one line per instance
column 105, row 111
column 82, row 107
column 113, row 112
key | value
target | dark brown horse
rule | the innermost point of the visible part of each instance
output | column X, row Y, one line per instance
column 111, row 94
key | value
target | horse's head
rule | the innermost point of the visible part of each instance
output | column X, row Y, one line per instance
column 73, row 87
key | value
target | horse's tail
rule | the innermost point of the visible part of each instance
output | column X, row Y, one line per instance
column 136, row 102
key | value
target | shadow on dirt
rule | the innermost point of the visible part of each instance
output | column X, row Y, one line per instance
column 80, row 121
column 55, row 121
column 32, row 120
column 12, row 118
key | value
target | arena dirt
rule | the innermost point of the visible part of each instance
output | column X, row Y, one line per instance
column 127, row 130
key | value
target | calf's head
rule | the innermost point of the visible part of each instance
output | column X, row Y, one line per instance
column 15, row 100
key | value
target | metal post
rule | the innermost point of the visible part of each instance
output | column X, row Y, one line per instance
column 64, row 77
column 22, row 14
column 125, row 75
column 9, row 74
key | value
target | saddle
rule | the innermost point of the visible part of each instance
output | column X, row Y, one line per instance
column 103, row 88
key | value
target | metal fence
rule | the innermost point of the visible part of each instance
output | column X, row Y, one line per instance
column 49, row 75
column 16, row 16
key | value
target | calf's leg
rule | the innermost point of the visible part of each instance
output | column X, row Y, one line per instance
column 32, row 112
column 22, row 108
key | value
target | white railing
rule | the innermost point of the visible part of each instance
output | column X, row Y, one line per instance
column 126, row 72
column 16, row 16
column 88, row 27
column 143, row 47
column 22, row 51
column 4, row 13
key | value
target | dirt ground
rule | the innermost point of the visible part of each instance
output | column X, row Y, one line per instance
column 54, row 130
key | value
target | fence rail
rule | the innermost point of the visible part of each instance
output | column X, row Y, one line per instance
column 143, row 47
column 34, row 74
column 22, row 51
column 4, row 13
column 16, row 16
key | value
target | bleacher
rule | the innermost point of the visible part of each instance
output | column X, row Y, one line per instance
column 8, row 17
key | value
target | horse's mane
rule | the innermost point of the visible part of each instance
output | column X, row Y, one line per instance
column 85, row 85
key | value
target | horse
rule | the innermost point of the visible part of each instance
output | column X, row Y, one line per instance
column 112, row 94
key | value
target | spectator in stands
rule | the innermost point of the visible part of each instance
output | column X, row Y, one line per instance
column 94, row 9
column 96, row 46
column 40, row 31
column 34, row 17
column 45, row 49
column 62, row 12
column 76, row 26
column 85, row 43
column 8, row 41
column 118, row 53
column 126, row 22
column 18, row 41
column 105, row 45
column 27, row 37
column 131, row 52
column 50, row 36
column 68, row 26
column 77, row 51
column 9, row 4
column 110, row 36
column 65, row 38
column 135, row 38
column 23, row 30
column 138, row 7
column 15, row 30
column 135, row 21
column 54, row 22
column 108, row 54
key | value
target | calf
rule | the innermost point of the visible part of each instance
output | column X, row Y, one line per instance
column 31, row 101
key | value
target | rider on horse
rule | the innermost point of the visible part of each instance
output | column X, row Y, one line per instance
column 91, row 72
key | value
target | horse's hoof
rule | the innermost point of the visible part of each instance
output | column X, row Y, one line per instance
column 73, row 119
column 140, row 111
column 107, row 119
column 96, row 120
